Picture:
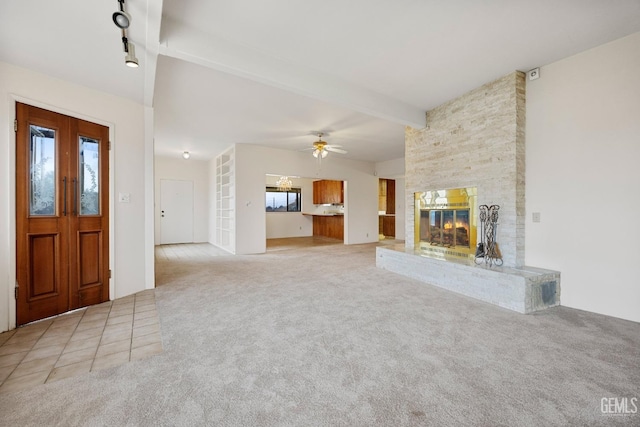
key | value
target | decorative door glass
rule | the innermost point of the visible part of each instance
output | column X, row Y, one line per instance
column 42, row 169
column 89, row 176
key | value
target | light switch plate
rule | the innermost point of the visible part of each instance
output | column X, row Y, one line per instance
column 535, row 217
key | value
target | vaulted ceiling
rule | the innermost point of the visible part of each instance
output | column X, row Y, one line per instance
column 272, row 72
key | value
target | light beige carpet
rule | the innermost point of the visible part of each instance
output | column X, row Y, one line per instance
column 317, row 336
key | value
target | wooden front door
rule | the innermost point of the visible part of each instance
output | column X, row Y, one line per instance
column 62, row 213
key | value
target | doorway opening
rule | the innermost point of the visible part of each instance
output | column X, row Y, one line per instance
column 386, row 209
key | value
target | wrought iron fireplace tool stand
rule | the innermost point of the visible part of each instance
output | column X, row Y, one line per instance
column 487, row 249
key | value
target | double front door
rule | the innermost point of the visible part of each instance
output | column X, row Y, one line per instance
column 62, row 213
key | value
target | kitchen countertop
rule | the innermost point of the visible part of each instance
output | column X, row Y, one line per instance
column 322, row 214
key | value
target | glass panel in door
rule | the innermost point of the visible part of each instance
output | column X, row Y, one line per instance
column 89, row 176
column 448, row 227
column 435, row 222
column 42, row 170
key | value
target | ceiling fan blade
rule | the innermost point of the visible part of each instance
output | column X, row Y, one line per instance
column 333, row 149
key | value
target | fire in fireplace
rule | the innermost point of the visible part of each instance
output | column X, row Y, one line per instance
column 445, row 222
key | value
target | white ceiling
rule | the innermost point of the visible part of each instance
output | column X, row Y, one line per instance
column 250, row 71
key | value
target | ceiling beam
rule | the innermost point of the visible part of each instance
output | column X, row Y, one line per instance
column 191, row 45
column 152, row 47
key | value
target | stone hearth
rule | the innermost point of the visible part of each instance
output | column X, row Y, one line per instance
column 524, row 290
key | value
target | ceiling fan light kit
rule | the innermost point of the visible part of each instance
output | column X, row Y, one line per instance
column 320, row 152
column 321, row 148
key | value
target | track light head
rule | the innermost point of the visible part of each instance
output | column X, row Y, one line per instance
column 131, row 59
column 186, row 155
column 122, row 19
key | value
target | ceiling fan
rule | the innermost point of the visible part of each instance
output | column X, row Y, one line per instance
column 321, row 148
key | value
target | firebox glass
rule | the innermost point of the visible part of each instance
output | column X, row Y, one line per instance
column 445, row 222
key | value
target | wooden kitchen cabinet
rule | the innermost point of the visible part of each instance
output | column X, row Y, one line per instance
column 329, row 226
column 391, row 196
column 327, row 191
column 387, row 225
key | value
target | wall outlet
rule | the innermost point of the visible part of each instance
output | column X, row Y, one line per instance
column 124, row 198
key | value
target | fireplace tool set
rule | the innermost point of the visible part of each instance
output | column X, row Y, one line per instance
column 487, row 250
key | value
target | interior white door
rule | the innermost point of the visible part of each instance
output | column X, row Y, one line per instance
column 176, row 211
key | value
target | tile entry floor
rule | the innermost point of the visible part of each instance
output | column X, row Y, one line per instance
column 97, row 337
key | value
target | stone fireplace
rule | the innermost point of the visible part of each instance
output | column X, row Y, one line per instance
column 475, row 146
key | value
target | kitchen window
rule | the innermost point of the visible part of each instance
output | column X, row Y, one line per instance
column 283, row 201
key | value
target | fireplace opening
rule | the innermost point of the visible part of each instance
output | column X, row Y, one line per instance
column 447, row 227
column 446, row 223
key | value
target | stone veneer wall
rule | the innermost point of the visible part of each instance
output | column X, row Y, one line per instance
column 476, row 140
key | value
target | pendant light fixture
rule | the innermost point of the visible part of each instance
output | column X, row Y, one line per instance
column 284, row 183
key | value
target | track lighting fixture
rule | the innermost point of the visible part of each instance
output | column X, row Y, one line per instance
column 122, row 20
column 186, row 155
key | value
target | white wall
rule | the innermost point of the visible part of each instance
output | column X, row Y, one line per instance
column 254, row 162
column 390, row 169
column 582, row 176
column 193, row 170
column 291, row 224
column 126, row 121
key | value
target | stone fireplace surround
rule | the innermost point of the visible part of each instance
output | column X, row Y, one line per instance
column 476, row 140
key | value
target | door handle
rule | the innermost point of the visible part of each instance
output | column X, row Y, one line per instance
column 64, row 190
column 75, row 196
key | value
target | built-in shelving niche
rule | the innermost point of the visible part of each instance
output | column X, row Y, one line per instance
column 225, row 201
